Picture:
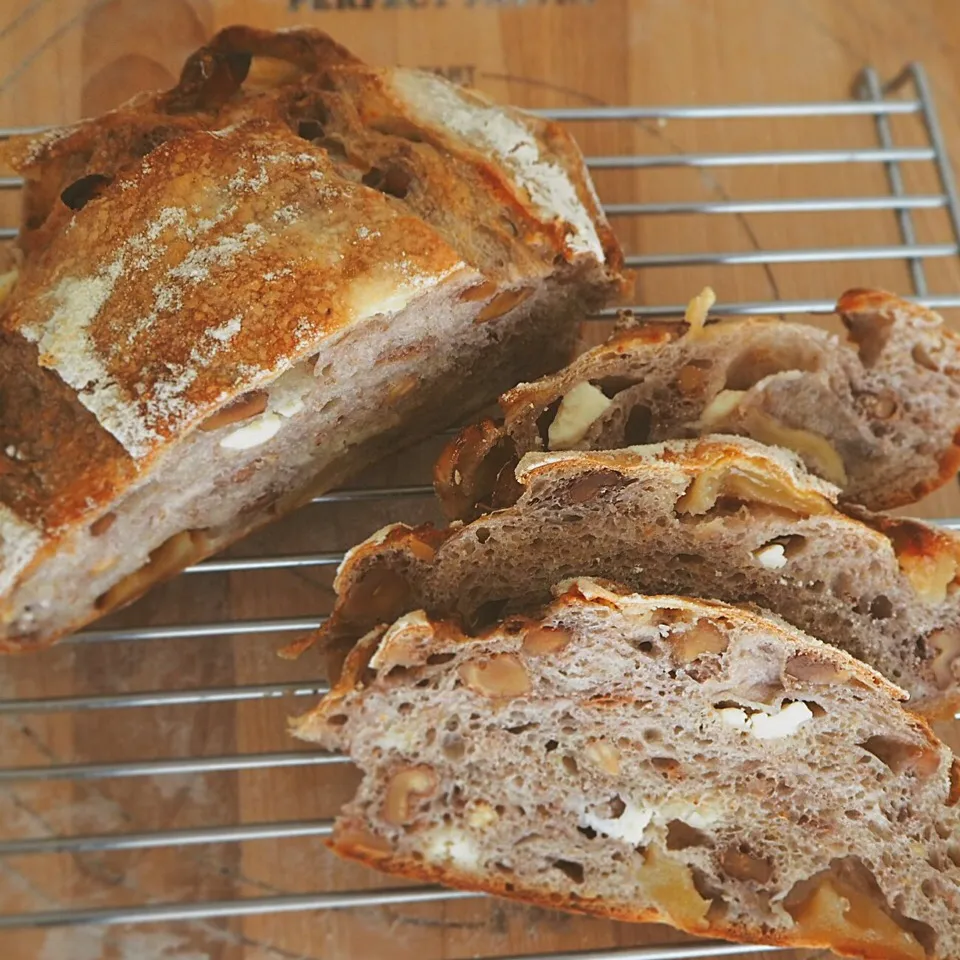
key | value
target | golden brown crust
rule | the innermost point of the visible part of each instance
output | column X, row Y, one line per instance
column 412, row 869
column 869, row 301
column 164, row 354
column 911, row 538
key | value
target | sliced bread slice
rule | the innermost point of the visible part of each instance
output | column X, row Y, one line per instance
column 653, row 759
column 722, row 518
column 879, row 416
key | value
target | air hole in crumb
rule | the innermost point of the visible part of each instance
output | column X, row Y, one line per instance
column 337, row 720
column 550, row 746
column 901, row 757
column 588, row 832
column 454, row 748
column 665, row 764
column 881, row 608
column 569, row 764
column 393, row 181
column 755, row 363
column 310, row 129
column 482, row 534
column 853, row 814
column 571, row 869
column 523, row 727
column 611, row 386
column 636, row 431
column 101, row 525
column 681, row 836
column 431, row 736
column 617, row 807
column 405, row 708
column 334, row 147
column 488, row 614
column 435, row 659
column 544, row 421
column 652, row 735
column 79, row 193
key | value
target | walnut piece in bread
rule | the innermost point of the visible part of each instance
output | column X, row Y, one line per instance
column 721, row 518
column 772, row 791
column 235, row 293
column 878, row 416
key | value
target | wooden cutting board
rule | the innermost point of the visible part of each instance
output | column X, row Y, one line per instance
column 62, row 59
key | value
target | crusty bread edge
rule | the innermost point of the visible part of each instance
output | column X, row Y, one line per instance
column 698, row 454
column 412, row 869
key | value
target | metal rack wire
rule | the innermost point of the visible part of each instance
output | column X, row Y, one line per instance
column 871, row 100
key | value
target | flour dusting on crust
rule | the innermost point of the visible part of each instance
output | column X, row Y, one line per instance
column 493, row 129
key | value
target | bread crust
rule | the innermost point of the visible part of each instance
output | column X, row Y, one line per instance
column 411, row 869
column 891, row 340
column 191, row 246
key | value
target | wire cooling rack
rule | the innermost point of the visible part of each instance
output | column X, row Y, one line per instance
column 114, row 810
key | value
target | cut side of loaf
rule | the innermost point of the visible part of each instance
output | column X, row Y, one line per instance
column 653, row 759
column 721, row 518
column 879, row 416
column 232, row 295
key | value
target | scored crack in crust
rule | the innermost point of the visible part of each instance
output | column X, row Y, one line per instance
column 652, row 758
column 231, row 295
column 879, row 416
column 720, row 518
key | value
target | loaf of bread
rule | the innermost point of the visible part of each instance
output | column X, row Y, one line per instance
column 721, row 518
column 231, row 295
column 879, row 416
column 653, row 759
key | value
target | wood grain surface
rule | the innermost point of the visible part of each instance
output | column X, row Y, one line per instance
column 62, row 59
